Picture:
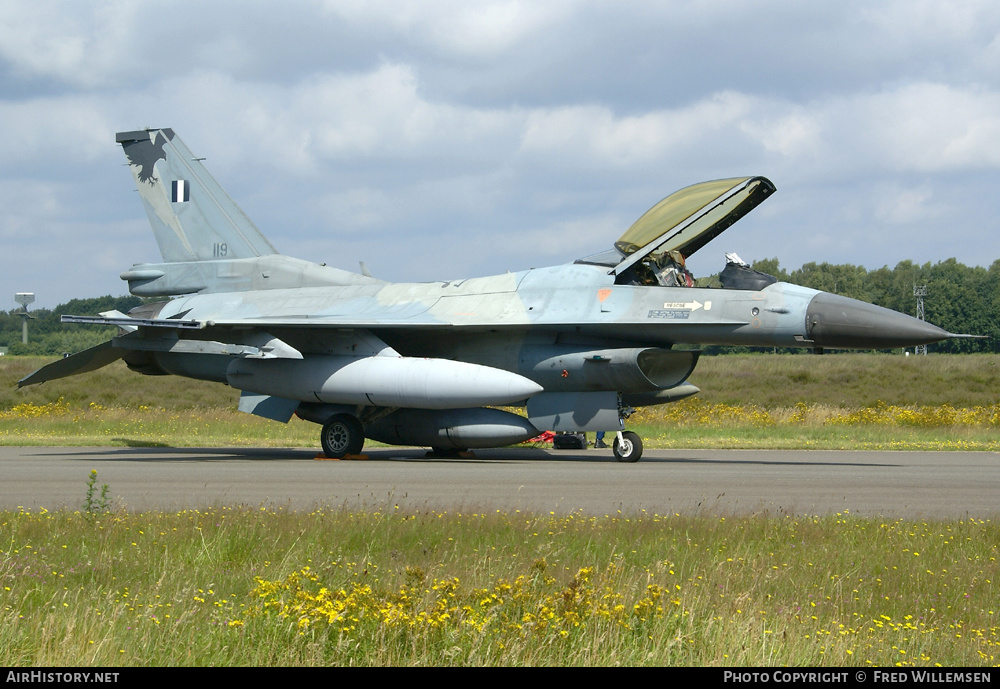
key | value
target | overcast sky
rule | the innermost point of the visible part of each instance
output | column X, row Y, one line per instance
column 439, row 139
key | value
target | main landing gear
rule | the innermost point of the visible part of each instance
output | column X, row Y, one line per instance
column 627, row 446
column 342, row 435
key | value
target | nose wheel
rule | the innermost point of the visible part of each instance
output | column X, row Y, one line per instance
column 627, row 447
column 342, row 435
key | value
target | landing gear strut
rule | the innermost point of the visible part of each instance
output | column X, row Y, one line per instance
column 627, row 446
column 342, row 435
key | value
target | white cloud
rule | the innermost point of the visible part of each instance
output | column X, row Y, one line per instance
column 52, row 132
column 931, row 127
column 932, row 21
column 420, row 131
column 458, row 27
column 914, row 128
column 794, row 133
column 596, row 137
column 904, row 206
column 82, row 44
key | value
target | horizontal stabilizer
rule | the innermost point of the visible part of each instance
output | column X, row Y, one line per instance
column 81, row 362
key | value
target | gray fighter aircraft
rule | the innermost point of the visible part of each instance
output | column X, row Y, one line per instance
column 426, row 364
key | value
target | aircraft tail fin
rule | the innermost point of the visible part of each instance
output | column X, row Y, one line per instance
column 193, row 218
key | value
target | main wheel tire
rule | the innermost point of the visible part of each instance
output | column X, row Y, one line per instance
column 342, row 435
column 628, row 448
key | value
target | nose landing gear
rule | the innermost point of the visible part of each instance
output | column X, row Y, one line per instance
column 627, row 446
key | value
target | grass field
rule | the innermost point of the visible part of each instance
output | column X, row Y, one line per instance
column 228, row 586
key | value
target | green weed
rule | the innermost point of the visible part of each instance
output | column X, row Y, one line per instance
column 92, row 503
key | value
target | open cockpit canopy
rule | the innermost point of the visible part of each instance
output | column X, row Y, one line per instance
column 678, row 226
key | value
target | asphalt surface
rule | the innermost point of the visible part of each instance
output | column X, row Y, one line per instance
column 911, row 485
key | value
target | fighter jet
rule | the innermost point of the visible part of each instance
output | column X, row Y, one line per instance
column 578, row 346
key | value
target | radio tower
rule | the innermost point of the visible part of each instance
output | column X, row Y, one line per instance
column 920, row 293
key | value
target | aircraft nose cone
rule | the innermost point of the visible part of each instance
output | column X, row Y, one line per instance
column 836, row 321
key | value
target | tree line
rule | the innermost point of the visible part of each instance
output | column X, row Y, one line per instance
column 960, row 299
column 47, row 336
